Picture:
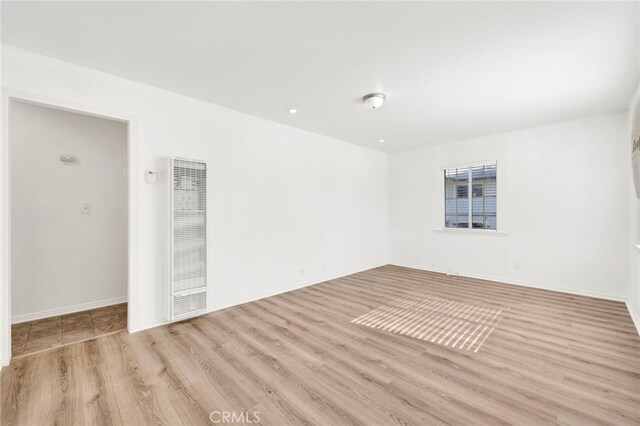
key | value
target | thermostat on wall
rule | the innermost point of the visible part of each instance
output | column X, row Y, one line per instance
column 151, row 176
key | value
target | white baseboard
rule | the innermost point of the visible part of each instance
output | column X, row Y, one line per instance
column 634, row 316
column 17, row 319
column 264, row 295
column 605, row 296
column 632, row 312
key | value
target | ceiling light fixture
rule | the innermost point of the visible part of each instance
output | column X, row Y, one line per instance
column 292, row 110
column 374, row 100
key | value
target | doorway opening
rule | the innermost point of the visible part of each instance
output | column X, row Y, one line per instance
column 68, row 203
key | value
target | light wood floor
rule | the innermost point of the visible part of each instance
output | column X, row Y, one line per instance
column 297, row 358
column 43, row 334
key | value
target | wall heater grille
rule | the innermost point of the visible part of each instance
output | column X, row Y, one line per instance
column 187, row 242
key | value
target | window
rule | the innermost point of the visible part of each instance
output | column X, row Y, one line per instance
column 478, row 211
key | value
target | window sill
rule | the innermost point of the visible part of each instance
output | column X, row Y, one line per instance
column 470, row 232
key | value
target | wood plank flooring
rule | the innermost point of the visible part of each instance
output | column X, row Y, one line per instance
column 436, row 320
column 36, row 336
column 297, row 358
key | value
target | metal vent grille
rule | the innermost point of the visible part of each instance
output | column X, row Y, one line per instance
column 183, row 305
column 187, row 241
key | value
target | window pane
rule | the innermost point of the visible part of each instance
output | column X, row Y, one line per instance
column 456, row 193
column 483, row 203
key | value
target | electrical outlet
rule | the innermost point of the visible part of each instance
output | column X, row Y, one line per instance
column 85, row 209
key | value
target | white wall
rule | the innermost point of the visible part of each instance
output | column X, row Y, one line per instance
column 5, row 318
column 68, row 259
column 634, row 216
column 562, row 198
column 287, row 207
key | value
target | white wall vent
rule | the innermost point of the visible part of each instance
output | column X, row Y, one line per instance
column 187, row 240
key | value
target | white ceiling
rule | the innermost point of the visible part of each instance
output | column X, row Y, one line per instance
column 450, row 70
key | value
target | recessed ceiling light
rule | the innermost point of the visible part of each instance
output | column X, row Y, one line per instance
column 381, row 141
column 292, row 110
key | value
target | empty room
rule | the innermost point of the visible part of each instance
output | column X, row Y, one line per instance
column 319, row 213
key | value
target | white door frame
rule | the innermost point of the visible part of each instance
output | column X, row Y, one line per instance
column 8, row 95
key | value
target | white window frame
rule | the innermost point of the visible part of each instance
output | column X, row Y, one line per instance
column 471, row 229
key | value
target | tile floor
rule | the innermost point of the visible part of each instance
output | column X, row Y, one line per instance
column 36, row 336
